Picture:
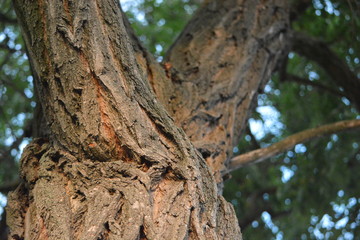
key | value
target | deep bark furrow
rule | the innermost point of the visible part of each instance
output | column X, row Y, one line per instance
column 119, row 166
column 116, row 164
column 225, row 54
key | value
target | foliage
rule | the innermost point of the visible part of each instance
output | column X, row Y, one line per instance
column 309, row 192
column 16, row 92
column 157, row 23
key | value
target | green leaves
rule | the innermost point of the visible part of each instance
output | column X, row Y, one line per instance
column 157, row 23
column 16, row 92
column 320, row 169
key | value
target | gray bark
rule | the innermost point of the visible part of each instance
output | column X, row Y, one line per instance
column 115, row 165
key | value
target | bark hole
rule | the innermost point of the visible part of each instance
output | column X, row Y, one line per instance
column 146, row 164
column 204, row 152
column 142, row 233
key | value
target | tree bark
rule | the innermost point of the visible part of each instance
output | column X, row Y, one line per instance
column 115, row 165
column 215, row 70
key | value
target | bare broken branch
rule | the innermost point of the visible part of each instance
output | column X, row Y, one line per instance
column 262, row 154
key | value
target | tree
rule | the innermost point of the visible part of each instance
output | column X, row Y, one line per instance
column 99, row 168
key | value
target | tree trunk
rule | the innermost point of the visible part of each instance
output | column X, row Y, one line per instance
column 115, row 165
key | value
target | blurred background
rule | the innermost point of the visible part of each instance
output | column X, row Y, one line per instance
column 309, row 192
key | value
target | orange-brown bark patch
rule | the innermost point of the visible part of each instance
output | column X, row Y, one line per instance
column 106, row 127
column 168, row 67
column 67, row 10
column 43, row 231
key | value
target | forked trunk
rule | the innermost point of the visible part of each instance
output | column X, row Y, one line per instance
column 115, row 165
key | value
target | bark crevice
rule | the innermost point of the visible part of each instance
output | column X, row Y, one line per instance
column 115, row 165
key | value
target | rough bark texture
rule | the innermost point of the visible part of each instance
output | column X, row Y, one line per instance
column 216, row 68
column 219, row 64
column 115, row 165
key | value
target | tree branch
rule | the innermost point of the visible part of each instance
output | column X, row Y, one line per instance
column 106, row 89
column 224, row 56
column 256, row 205
column 337, row 69
column 12, row 84
column 5, row 47
column 7, row 20
column 298, row 8
column 7, row 187
column 289, row 142
column 294, row 78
